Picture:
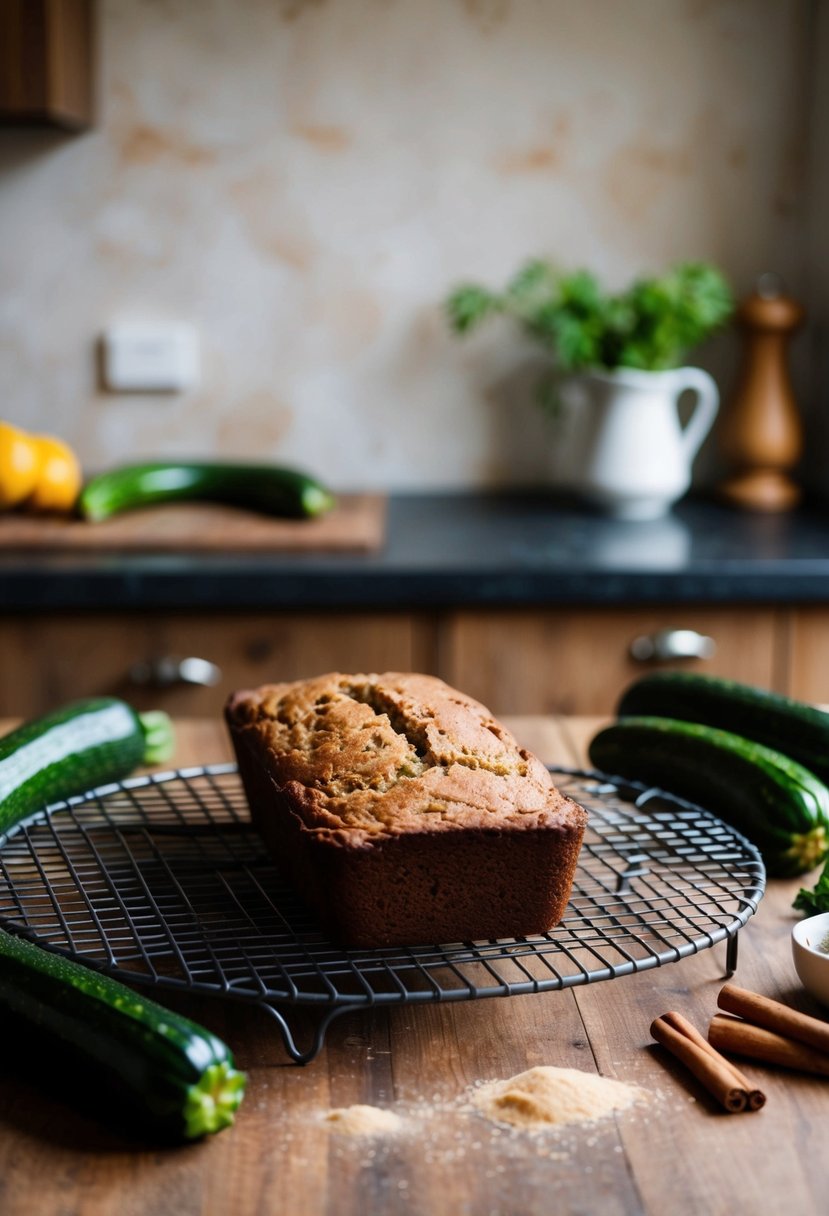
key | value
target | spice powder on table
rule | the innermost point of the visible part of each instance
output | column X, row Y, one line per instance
column 360, row 1120
column 546, row 1096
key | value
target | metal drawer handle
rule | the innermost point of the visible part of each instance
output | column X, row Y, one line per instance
column 672, row 644
column 167, row 670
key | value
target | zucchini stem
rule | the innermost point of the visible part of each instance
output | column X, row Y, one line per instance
column 212, row 1102
column 159, row 736
column 316, row 500
column 809, row 848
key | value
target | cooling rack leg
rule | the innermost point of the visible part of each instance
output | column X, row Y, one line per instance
column 305, row 1057
column 731, row 956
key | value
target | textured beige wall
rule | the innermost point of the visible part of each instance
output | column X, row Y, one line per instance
column 816, row 338
column 304, row 181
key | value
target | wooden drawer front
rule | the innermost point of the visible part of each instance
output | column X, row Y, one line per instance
column 808, row 666
column 49, row 662
column 578, row 662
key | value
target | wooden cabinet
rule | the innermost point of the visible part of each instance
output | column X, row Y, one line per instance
column 807, row 654
column 516, row 660
column 47, row 661
column 577, row 661
column 47, row 62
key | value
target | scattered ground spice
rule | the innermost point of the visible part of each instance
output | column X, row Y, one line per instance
column 545, row 1096
column 362, row 1120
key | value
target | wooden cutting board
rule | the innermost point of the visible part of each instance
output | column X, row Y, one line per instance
column 357, row 524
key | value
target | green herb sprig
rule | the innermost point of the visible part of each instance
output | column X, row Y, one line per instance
column 814, row 900
column 650, row 326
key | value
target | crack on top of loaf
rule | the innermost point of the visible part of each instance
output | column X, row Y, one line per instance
column 397, row 737
column 413, row 732
column 416, row 732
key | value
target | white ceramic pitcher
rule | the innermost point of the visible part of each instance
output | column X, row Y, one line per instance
column 630, row 455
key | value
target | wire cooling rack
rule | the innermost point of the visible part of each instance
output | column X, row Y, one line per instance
column 161, row 880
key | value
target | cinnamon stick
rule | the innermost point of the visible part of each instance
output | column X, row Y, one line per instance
column 715, row 1073
column 755, row 1097
column 771, row 1015
column 744, row 1039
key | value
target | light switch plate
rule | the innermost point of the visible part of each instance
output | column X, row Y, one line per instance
column 150, row 358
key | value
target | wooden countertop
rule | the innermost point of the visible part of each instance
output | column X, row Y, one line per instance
column 682, row 1155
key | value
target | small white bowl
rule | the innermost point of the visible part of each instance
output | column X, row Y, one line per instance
column 810, row 962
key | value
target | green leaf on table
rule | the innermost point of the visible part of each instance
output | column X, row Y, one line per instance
column 814, row 900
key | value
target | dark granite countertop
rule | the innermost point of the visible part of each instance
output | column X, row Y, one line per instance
column 452, row 550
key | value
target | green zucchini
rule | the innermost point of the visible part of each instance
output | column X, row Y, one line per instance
column 782, row 807
column 166, row 1071
column 270, row 489
column 786, row 725
column 74, row 749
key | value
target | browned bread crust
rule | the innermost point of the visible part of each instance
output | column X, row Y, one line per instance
column 402, row 811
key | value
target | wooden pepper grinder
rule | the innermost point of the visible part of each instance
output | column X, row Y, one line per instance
column 760, row 431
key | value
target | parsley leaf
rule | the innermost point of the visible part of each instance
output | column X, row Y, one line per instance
column 817, row 899
column 651, row 326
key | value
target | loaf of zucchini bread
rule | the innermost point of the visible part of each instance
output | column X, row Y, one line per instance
column 402, row 812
